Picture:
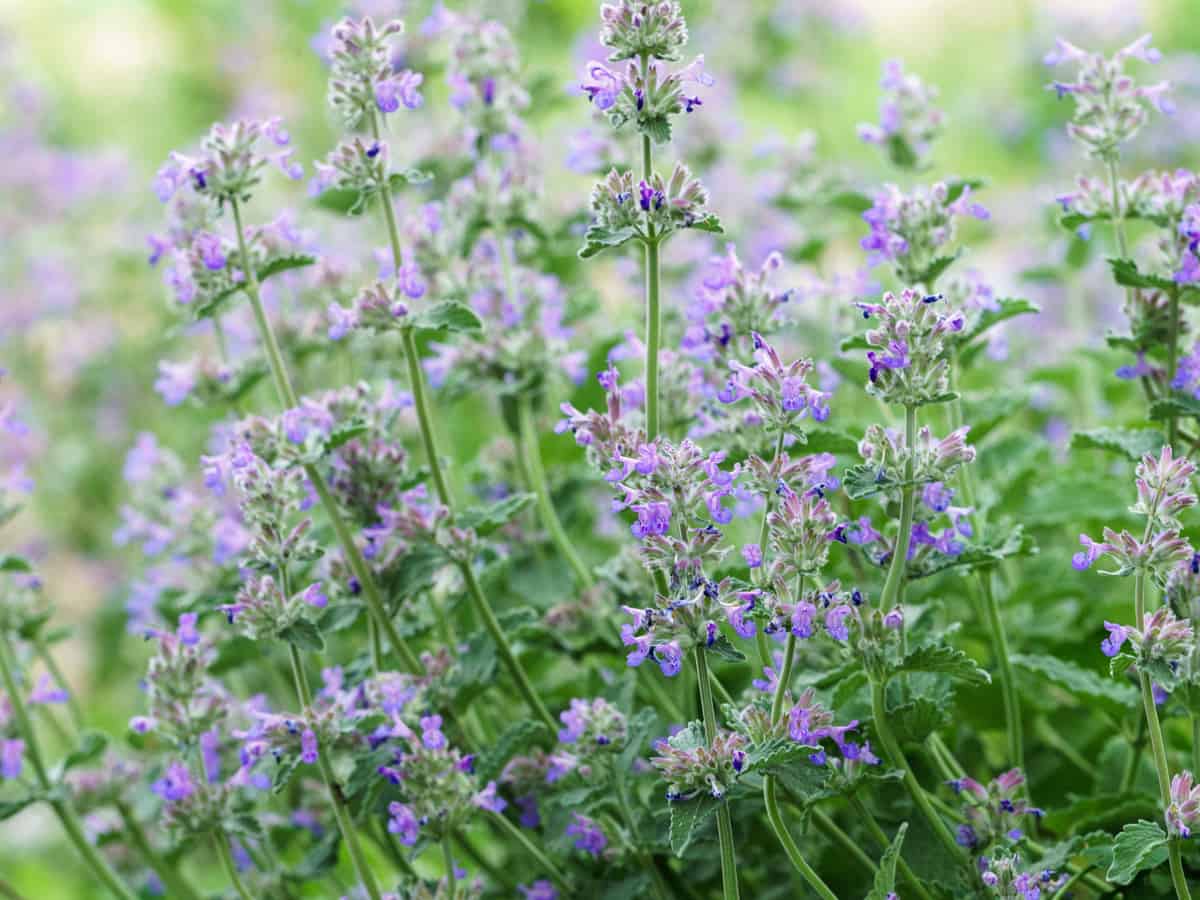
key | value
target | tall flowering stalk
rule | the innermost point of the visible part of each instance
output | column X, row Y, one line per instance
column 646, row 36
column 361, row 70
column 1160, row 642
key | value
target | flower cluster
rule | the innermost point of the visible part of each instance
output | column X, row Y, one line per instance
column 229, row 167
column 933, row 461
column 646, row 95
column 692, row 765
column 654, row 206
column 1110, row 109
column 911, row 230
column 781, row 394
column 994, row 812
column 1183, row 811
column 362, row 77
column 908, row 365
column 909, row 118
column 1005, row 879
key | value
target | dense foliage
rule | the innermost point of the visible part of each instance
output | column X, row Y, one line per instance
column 778, row 594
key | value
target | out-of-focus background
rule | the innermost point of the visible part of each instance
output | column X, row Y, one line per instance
column 95, row 93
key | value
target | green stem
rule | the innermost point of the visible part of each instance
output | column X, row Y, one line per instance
column 1172, row 355
column 516, row 671
column 729, row 876
column 65, row 812
column 653, row 336
column 1157, row 744
column 895, row 575
column 884, row 842
column 897, row 758
column 512, row 831
column 1135, row 755
column 448, row 862
column 1118, row 214
column 170, row 876
column 8, row 891
column 416, row 380
column 287, row 398
column 825, row 822
column 760, row 635
column 221, row 842
column 532, row 454
column 345, row 823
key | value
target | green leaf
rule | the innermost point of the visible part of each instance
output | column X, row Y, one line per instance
column 986, row 412
column 1092, row 689
column 9, row 808
column 284, row 264
column 686, row 817
column 303, row 635
column 822, row 439
column 234, row 652
column 400, row 180
column 320, row 860
column 885, row 875
column 977, row 556
column 936, row 269
column 776, row 754
column 447, row 315
column 1175, row 405
column 723, row 647
column 916, row 720
column 597, row 239
column 486, row 519
column 709, row 223
column 944, row 659
column 345, row 433
column 1140, row 845
column 91, row 745
column 657, row 128
column 640, row 729
column 285, row 768
column 10, row 563
column 1125, row 272
column 1131, row 443
column 901, row 152
column 851, row 201
column 1106, row 810
column 365, row 773
column 516, row 738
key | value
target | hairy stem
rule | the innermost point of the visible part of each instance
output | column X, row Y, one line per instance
column 448, row 863
column 532, row 454
column 1157, row 743
column 345, row 823
column 221, row 843
column 729, row 876
column 895, row 575
column 62, row 808
column 896, row 757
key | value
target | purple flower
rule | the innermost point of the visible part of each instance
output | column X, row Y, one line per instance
column 12, row 752
column 588, row 836
column 1117, row 635
column 653, row 519
column 488, row 799
column 175, row 382
column 403, row 823
column 752, row 553
column 176, row 783
column 401, row 88
column 669, row 658
column 431, row 732
column 308, row 746
column 539, row 890
column 187, row 634
column 937, row 496
column 835, row 622
column 314, row 596
column 210, row 754
column 212, row 254
column 1090, row 553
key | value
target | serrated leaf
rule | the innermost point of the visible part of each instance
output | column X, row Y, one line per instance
column 345, row 433
column 10, row 563
column 366, row 770
column 1140, row 845
column 515, row 739
column 1103, row 810
column 944, row 659
column 867, row 479
column 320, row 860
column 777, row 754
column 639, row 730
column 885, row 875
column 597, row 239
column 400, row 180
column 304, row 635
column 709, row 223
column 447, row 315
column 1125, row 272
column 1094, row 690
column 977, row 556
column 901, row 152
column 1174, row 406
column 486, row 519
column 286, row 263
column 936, row 269
column 916, row 720
column 282, row 774
column 686, row 817
column 853, row 201
column 91, row 745
column 725, row 649
column 657, row 128
column 1131, row 443
column 821, row 439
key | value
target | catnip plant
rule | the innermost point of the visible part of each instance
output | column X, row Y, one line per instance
column 483, row 580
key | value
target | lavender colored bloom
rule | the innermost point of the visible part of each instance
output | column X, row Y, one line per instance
column 752, row 553
column 12, row 754
column 653, row 519
column 176, row 783
column 401, row 88
column 210, row 755
column 490, row 800
column 308, row 746
column 1184, row 808
column 539, row 890
column 403, row 823
column 175, row 381
column 588, row 835
column 1117, row 635
column 431, row 732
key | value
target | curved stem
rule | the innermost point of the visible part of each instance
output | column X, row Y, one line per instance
column 1157, row 744
column 51, row 664
column 221, row 842
column 416, row 379
column 508, row 656
column 170, row 876
column 554, row 872
column 895, row 575
column 897, row 758
column 825, row 822
column 287, row 398
column 729, row 878
column 1135, row 755
column 65, row 812
column 345, row 823
column 532, row 454
column 775, row 817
